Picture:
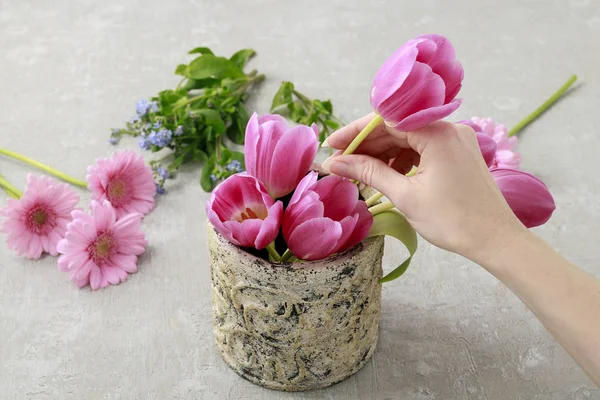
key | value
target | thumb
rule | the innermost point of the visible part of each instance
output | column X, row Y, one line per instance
column 370, row 171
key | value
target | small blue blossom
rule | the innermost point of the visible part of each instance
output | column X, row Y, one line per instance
column 159, row 189
column 234, row 166
column 157, row 125
column 214, row 178
column 143, row 143
column 163, row 172
column 143, row 106
column 161, row 138
column 178, row 131
column 113, row 140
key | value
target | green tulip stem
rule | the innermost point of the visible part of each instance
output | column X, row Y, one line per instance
column 363, row 134
column 44, row 167
column 287, row 256
column 10, row 189
column 379, row 208
column 273, row 253
column 546, row 105
column 374, row 199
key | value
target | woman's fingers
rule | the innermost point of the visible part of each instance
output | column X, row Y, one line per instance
column 344, row 136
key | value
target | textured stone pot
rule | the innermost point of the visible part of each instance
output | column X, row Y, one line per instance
column 295, row 326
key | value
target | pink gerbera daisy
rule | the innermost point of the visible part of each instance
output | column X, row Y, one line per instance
column 505, row 156
column 124, row 180
column 37, row 221
column 101, row 249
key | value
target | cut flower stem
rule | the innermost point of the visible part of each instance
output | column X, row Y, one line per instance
column 273, row 253
column 374, row 199
column 546, row 105
column 379, row 208
column 287, row 256
column 44, row 167
column 363, row 134
column 10, row 189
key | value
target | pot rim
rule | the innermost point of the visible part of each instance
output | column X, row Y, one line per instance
column 305, row 265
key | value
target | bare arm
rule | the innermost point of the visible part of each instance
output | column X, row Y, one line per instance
column 454, row 203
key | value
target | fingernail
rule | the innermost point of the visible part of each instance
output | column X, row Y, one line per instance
column 325, row 143
column 325, row 165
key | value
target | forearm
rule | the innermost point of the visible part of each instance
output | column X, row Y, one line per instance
column 565, row 298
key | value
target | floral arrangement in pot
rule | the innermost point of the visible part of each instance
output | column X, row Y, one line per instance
column 296, row 254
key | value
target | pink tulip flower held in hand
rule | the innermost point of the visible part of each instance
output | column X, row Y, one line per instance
column 242, row 211
column 526, row 195
column 505, row 156
column 418, row 84
column 277, row 155
column 325, row 217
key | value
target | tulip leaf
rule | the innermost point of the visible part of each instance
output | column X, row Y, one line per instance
column 393, row 223
column 210, row 66
column 241, row 57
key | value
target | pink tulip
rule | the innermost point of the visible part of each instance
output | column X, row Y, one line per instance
column 487, row 144
column 325, row 217
column 526, row 195
column 277, row 155
column 242, row 211
column 418, row 83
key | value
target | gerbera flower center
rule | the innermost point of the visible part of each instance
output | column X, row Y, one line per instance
column 40, row 219
column 118, row 192
column 101, row 249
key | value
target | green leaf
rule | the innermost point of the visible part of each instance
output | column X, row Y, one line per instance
column 327, row 106
column 297, row 112
column 200, row 50
column 167, row 98
column 180, row 70
column 331, row 123
column 178, row 160
column 236, row 155
column 194, row 84
column 207, row 184
column 199, row 155
column 212, row 118
column 210, row 66
column 283, row 97
column 241, row 57
column 237, row 130
column 393, row 223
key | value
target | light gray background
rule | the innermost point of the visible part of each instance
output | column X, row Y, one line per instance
column 71, row 70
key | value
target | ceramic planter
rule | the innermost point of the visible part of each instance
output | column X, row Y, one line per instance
column 295, row 326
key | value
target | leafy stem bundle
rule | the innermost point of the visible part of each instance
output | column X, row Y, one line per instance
column 206, row 110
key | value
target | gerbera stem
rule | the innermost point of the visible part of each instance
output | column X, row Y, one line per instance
column 379, row 208
column 272, row 252
column 10, row 189
column 287, row 255
column 546, row 105
column 363, row 134
column 44, row 167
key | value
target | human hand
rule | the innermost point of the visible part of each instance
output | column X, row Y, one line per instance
column 452, row 201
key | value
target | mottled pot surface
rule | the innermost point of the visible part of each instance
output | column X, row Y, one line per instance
column 296, row 326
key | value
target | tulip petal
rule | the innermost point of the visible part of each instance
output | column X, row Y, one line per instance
column 392, row 74
column 425, row 117
column 244, row 232
column 251, row 143
column 487, row 145
column 306, row 182
column 270, row 226
column 339, row 196
column 315, row 239
column 308, row 207
column 527, row 196
column 363, row 226
column 422, row 90
column 348, row 224
column 291, row 160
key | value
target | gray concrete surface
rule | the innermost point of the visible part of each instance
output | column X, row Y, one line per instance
column 70, row 70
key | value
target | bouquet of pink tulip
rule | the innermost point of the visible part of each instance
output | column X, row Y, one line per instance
column 281, row 207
